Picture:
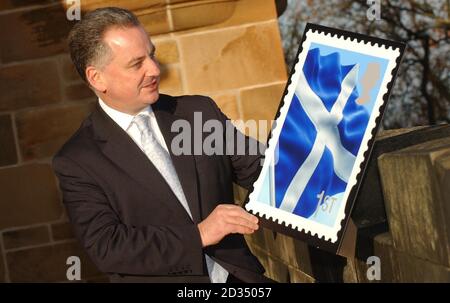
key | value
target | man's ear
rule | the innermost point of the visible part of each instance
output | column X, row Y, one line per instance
column 95, row 79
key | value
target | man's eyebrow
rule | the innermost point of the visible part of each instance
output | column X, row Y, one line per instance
column 137, row 59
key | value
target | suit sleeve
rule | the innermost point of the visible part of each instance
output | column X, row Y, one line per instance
column 247, row 152
column 119, row 248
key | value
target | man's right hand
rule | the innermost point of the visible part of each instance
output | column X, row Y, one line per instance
column 226, row 219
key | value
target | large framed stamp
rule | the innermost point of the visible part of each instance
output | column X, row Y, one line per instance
column 323, row 134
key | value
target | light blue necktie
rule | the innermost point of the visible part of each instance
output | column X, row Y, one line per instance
column 160, row 158
column 162, row 161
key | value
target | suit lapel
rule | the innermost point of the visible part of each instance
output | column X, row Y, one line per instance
column 118, row 146
column 184, row 164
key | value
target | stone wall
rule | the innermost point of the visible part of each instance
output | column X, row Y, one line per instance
column 227, row 49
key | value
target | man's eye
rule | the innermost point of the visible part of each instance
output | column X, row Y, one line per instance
column 137, row 65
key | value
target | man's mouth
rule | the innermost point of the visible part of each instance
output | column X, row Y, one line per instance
column 151, row 85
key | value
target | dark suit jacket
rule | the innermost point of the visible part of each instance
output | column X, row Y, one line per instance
column 124, row 213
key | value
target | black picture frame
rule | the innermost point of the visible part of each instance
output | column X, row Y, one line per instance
column 273, row 217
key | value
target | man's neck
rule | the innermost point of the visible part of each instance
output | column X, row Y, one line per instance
column 121, row 108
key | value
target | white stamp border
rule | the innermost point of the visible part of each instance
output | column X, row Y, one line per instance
column 345, row 42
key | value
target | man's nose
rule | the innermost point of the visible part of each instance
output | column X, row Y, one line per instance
column 152, row 67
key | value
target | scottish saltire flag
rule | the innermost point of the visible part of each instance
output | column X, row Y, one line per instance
column 321, row 135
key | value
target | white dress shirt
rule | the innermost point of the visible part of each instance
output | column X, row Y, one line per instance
column 216, row 272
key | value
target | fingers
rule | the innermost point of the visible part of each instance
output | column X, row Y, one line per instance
column 239, row 229
column 226, row 219
column 237, row 220
column 236, row 211
column 241, row 213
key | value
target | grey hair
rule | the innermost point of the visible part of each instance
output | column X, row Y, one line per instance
column 85, row 40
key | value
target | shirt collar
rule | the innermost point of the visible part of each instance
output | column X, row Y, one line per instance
column 122, row 119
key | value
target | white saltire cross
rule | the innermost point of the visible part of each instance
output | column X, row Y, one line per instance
column 326, row 124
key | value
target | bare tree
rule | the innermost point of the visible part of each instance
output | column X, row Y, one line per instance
column 422, row 91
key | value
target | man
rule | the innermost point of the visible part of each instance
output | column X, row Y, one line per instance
column 142, row 213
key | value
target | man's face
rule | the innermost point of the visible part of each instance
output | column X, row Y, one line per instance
column 131, row 78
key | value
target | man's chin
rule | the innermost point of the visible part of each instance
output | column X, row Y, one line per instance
column 152, row 97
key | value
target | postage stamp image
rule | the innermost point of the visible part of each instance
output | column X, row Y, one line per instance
column 324, row 131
